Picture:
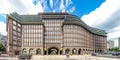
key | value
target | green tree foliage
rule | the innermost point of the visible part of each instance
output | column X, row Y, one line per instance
column 116, row 49
column 2, row 48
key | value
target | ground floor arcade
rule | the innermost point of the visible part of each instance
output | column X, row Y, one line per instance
column 59, row 51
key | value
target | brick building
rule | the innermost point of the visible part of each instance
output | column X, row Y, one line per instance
column 52, row 33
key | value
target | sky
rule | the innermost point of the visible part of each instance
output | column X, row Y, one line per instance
column 102, row 14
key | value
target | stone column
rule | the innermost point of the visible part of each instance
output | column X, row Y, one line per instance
column 82, row 51
column 76, row 51
column 21, row 52
column 47, row 52
column 70, row 51
column 63, row 51
column 27, row 50
column 34, row 52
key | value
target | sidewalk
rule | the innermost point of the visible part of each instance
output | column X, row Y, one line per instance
column 62, row 57
column 73, row 57
column 8, row 58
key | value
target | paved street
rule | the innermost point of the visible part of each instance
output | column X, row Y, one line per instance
column 108, row 55
column 8, row 58
column 63, row 57
column 74, row 57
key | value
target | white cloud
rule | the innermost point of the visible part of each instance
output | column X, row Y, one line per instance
column 114, row 33
column 114, row 29
column 64, row 4
column 20, row 6
column 5, row 7
column 31, row 8
column 101, row 14
column 3, row 28
column 104, row 16
column 51, row 3
column 68, row 2
column 72, row 9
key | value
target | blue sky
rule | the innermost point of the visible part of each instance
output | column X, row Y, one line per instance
column 103, row 14
column 2, row 18
column 81, row 7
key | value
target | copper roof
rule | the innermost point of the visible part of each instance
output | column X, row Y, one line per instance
column 68, row 19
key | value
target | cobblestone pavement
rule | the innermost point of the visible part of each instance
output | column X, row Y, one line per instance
column 62, row 57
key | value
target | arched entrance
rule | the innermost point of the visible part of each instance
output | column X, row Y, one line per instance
column 79, row 51
column 38, row 51
column 67, row 51
column 100, row 51
column 53, row 51
column 24, row 51
column 74, row 51
column 31, row 51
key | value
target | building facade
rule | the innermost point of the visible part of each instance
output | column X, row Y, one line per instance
column 119, row 42
column 52, row 33
column 110, row 44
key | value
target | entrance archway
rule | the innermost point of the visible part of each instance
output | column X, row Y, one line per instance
column 24, row 51
column 100, row 51
column 53, row 51
column 38, row 51
column 31, row 51
column 74, row 51
column 67, row 51
column 16, row 52
column 79, row 51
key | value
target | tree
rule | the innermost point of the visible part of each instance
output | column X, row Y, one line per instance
column 116, row 49
column 2, row 48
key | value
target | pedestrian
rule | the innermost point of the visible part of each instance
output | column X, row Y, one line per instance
column 67, row 55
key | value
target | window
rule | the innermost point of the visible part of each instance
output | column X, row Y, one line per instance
column 14, row 47
column 19, row 34
column 14, row 27
column 14, row 22
column 14, row 32
column 14, row 37
column 19, row 29
column 14, row 42
column 19, row 25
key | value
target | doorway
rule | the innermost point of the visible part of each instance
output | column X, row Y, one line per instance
column 53, row 51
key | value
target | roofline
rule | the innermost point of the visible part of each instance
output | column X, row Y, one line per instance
column 70, row 23
column 53, row 13
column 70, row 17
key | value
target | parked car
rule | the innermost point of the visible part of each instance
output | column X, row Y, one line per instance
column 116, row 53
column 94, row 54
column 24, row 56
column 29, row 56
